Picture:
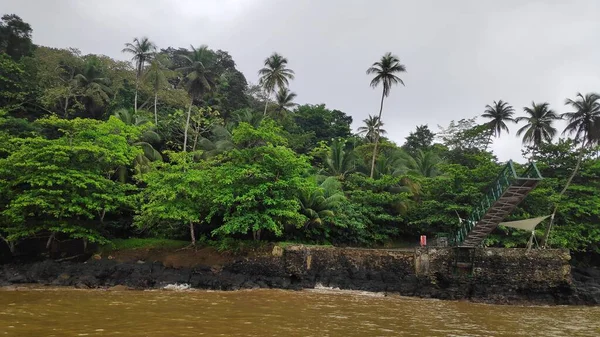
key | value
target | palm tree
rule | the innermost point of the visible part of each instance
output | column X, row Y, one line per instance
column 339, row 162
column 317, row 204
column 220, row 142
column 93, row 84
column 274, row 74
column 142, row 50
column 145, row 141
column 584, row 122
column 285, row 100
column 499, row 113
column 539, row 127
column 157, row 78
column 425, row 164
column 199, row 79
column 385, row 71
column 372, row 129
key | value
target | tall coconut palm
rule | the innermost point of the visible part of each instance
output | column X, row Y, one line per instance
column 157, row 79
column 274, row 74
column 385, row 71
column 499, row 113
column 539, row 127
column 142, row 50
column 584, row 122
column 285, row 100
column 372, row 129
column 199, row 79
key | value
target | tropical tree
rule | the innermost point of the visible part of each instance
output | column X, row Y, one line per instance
column 423, row 163
column 385, row 71
column 372, row 129
column 584, row 122
column 285, row 99
column 145, row 141
column 199, row 79
column 499, row 113
column 319, row 203
column 157, row 79
column 142, row 50
column 539, row 124
column 339, row 161
column 93, row 84
column 274, row 74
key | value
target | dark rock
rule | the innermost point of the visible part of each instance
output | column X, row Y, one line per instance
column 494, row 276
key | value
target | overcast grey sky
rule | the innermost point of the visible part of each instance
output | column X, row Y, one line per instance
column 460, row 55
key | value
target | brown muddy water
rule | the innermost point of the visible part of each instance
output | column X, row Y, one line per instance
column 71, row 312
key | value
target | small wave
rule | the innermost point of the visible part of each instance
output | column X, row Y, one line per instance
column 323, row 289
column 177, row 287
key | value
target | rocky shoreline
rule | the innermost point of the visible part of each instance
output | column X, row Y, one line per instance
column 298, row 268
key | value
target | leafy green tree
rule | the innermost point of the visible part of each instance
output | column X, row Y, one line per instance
column 539, row 124
column 143, row 51
column 275, row 74
column 465, row 134
column 199, row 79
column 175, row 195
column 385, row 71
column 318, row 123
column 499, row 113
column 372, row 129
column 55, row 72
column 55, row 184
column 12, row 92
column 575, row 226
column 257, row 184
column 15, row 37
column 584, row 122
column 421, row 139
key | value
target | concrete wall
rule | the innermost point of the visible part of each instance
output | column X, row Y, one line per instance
column 484, row 274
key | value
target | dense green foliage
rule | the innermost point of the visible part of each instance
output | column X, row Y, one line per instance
column 177, row 145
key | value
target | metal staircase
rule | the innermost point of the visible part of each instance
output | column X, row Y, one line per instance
column 501, row 199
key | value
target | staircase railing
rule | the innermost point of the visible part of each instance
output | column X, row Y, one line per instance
column 506, row 178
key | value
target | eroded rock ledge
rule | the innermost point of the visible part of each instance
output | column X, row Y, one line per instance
column 505, row 276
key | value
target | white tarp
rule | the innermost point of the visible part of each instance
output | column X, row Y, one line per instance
column 527, row 224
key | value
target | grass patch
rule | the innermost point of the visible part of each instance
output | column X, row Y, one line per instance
column 284, row 244
column 143, row 243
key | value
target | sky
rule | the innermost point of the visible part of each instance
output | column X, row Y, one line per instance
column 460, row 55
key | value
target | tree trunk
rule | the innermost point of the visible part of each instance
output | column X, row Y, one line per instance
column 66, row 104
column 377, row 136
column 12, row 247
column 256, row 234
column 85, row 244
column 192, row 233
column 49, row 242
column 187, row 126
column 579, row 159
column 136, row 93
column 266, row 103
column 155, row 113
column 196, row 135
